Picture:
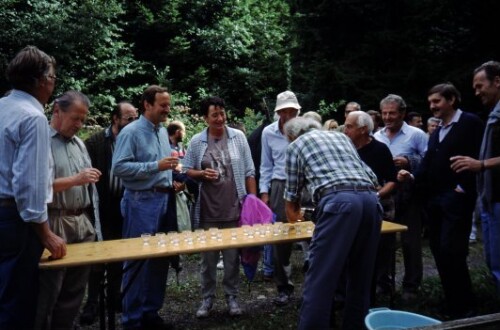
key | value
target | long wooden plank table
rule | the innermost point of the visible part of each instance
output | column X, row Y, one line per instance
column 133, row 248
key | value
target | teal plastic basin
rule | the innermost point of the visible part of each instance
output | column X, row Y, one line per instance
column 386, row 319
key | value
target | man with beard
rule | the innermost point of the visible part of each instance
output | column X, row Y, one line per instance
column 450, row 197
column 100, row 147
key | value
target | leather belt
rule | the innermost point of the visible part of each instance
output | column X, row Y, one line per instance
column 343, row 187
column 8, row 202
column 163, row 190
column 62, row 213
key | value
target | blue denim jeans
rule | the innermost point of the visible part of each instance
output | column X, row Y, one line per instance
column 267, row 260
column 490, row 222
column 144, row 212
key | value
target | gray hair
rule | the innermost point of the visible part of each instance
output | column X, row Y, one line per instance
column 313, row 115
column 69, row 98
column 393, row 98
column 433, row 120
column 354, row 104
column 297, row 126
column 363, row 119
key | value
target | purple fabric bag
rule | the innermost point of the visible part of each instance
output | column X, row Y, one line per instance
column 255, row 211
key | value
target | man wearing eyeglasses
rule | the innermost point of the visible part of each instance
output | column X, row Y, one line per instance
column 25, row 186
column 100, row 147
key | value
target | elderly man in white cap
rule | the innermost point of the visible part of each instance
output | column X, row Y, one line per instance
column 272, row 184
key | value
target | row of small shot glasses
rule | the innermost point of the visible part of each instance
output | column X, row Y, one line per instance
column 200, row 235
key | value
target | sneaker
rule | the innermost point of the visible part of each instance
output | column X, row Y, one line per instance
column 233, row 306
column 282, row 299
column 205, row 308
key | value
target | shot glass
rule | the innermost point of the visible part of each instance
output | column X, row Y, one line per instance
column 146, row 237
column 245, row 229
column 276, row 230
column 268, row 228
column 285, row 230
column 216, row 166
column 213, row 233
column 234, row 234
column 174, row 238
column 161, row 241
column 198, row 233
column 219, row 236
column 202, row 238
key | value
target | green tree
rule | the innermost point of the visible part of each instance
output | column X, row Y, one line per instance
column 232, row 48
column 85, row 38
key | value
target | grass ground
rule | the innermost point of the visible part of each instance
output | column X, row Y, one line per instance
column 183, row 299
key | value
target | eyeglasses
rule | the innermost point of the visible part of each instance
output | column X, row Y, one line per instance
column 131, row 119
column 52, row 76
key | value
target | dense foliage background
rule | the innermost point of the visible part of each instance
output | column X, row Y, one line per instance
column 247, row 51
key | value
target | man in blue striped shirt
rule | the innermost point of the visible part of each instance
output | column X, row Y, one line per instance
column 348, row 220
column 25, row 186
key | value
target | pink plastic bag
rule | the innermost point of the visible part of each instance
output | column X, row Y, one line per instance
column 255, row 211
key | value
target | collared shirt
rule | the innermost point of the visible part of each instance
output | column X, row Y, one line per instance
column 321, row 160
column 70, row 158
column 239, row 152
column 25, row 153
column 272, row 163
column 446, row 128
column 139, row 147
column 409, row 141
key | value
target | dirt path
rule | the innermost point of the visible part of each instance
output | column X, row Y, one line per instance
column 182, row 300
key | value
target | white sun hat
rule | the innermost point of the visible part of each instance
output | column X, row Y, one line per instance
column 285, row 100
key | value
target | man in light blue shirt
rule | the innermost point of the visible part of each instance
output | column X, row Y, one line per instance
column 25, row 183
column 272, row 184
column 142, row 160
column 408, row 145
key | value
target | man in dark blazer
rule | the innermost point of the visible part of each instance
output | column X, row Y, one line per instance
column 450, row 197
column 100, row 147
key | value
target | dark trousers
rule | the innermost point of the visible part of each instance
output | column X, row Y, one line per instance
column 281, row 252
column 345, row 238
column 111, row 225
column 411, row 241
column 20, row 252
column 450, row 216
